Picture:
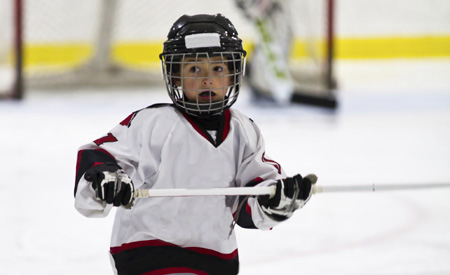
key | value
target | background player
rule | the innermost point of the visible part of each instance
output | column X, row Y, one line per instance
column 269, row 77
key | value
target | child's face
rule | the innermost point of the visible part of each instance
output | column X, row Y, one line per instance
column 205, row 79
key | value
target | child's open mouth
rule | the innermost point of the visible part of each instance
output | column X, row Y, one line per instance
column 206, row 95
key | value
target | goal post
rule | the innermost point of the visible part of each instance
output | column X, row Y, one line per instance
column 312, row 64
column 11, row 50
column 111, row 43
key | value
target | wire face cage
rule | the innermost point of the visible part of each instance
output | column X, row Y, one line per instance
column 203, row 83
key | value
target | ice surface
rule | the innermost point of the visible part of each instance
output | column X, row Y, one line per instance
column 393, row 126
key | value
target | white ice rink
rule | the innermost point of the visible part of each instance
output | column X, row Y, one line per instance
column 392, row 126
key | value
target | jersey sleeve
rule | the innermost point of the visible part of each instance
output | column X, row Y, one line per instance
column 123, row 146
column 256, row 169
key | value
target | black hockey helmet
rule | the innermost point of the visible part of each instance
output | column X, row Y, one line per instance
column 203, row 23
column 202, row 36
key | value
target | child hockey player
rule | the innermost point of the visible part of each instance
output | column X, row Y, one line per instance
column 196, row 142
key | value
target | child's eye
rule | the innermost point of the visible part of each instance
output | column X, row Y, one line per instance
column 194, row 69
column 218, row 69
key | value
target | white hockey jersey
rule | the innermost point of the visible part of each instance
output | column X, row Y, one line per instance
column 160, row 147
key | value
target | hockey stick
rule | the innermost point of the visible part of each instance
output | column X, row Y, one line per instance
column 376, row 187
column 270, row 190
column 258, row 191
column 231, row 191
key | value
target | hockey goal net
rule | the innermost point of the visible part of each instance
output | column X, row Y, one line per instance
column 103, row 43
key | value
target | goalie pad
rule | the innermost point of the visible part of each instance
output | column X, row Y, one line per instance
column 269, row 74
column 256, row 9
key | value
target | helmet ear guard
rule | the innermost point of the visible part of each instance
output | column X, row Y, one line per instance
column 201, row 37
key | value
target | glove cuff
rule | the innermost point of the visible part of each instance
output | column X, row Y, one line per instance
column 107, row 166
column 276, row 215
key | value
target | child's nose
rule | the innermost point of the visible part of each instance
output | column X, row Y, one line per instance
column 207, row 81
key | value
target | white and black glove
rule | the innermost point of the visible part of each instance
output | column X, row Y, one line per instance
column 111, row 184
column 291, row 194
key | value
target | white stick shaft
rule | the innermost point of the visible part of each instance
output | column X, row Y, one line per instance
column 376, row 187
column 231, row 191
column 255, row 191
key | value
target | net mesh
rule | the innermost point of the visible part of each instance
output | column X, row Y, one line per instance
column 117, row 42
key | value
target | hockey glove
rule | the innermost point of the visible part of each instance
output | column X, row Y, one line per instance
column 291, row 194
column 111, row 184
